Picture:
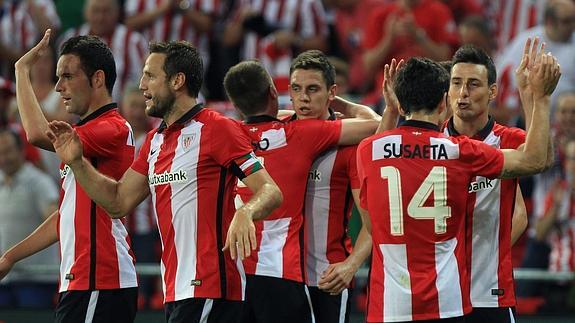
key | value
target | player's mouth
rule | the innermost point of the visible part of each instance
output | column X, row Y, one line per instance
column 148, row 99
column 66, row 100
column 463, row 105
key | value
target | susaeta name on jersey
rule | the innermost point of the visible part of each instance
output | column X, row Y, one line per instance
column 481, row 184
column 65, row 171
column 166, row 177
column 392, row 147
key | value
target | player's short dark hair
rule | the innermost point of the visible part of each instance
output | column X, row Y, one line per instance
column 315, row 60
column 247, row 85
column 182, row 57
column 447, row 65
column 475, row 55
column 94, row 55
column 17, row 139
column 421, row 85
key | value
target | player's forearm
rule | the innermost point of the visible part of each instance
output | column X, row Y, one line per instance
column 361, row 249
column 33, row 119
column 265, row 199
column 527, row 105
column 353, row 110
column 100, row 188
column 355, row 130
column 389, row 119
column 43, row 237
column 537, row 141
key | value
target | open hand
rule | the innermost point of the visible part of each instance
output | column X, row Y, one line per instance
column 241, row 237
column 66, row 142
column 32, row 56
column 389, row 74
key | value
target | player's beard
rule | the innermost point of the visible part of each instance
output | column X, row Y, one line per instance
column 162, row 106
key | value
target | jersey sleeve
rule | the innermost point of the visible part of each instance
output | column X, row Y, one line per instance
column 351, row 156
column 141, row 164
column 514, row 138
column 362, row 162
column 319, row 135
column 483, row 159
column 102, row 139
column 228, row 142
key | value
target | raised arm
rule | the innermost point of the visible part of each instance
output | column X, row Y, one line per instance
column 533, row 158
column 391, row 112
column 531, row 51
column 43, row 237
column 33, row 119
column 338, row 276
column 118, row 198
column 266, row 198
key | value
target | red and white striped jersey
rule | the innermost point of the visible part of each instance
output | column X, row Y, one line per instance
column 491, row 203
column 17, row 28
column 129, row 49
column 287, row 150
column 189, row 168
column 173, row 25
column 328, row 205
column 562, row 236
column 95, row 249
column 306, row 18
column 411, row 182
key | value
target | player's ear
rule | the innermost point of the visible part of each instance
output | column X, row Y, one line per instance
column 492, row 91
column 178, row 81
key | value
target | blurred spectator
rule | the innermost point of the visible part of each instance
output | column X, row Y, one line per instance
column 141, row 224
column 273, row 31
column 557, row 33
column 350, row 24
column 557, row 226
column 475, row 30
column 537, row 248
column 190, row 20
column 510, row 17
column 22, row 23
column 462, row 9
column 8, row 120
column 129, row 47
column 404, row 29
column 28, row 197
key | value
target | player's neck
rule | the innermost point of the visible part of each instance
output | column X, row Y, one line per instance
column 469, row 127
column 181, row 106
column 422, row 116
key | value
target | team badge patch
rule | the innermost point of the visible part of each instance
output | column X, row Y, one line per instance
column 187, row 141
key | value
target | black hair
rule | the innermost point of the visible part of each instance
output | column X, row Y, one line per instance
column 315, row 60
column 421, row 85
column 475, row 55
column 94, row 55
column 247, row 85
column 182, row 57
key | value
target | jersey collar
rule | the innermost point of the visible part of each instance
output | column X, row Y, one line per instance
column 420, row 124
column 97, row 113
column 260, row 119
column 480, row 135
column 332, row 116
column 184, row 118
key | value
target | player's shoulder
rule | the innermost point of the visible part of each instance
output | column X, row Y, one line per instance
column 503, row 130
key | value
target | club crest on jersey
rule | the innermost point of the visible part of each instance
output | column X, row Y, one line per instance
column 187, row 141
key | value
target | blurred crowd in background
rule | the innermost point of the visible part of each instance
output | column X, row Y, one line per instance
column 360, row 36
